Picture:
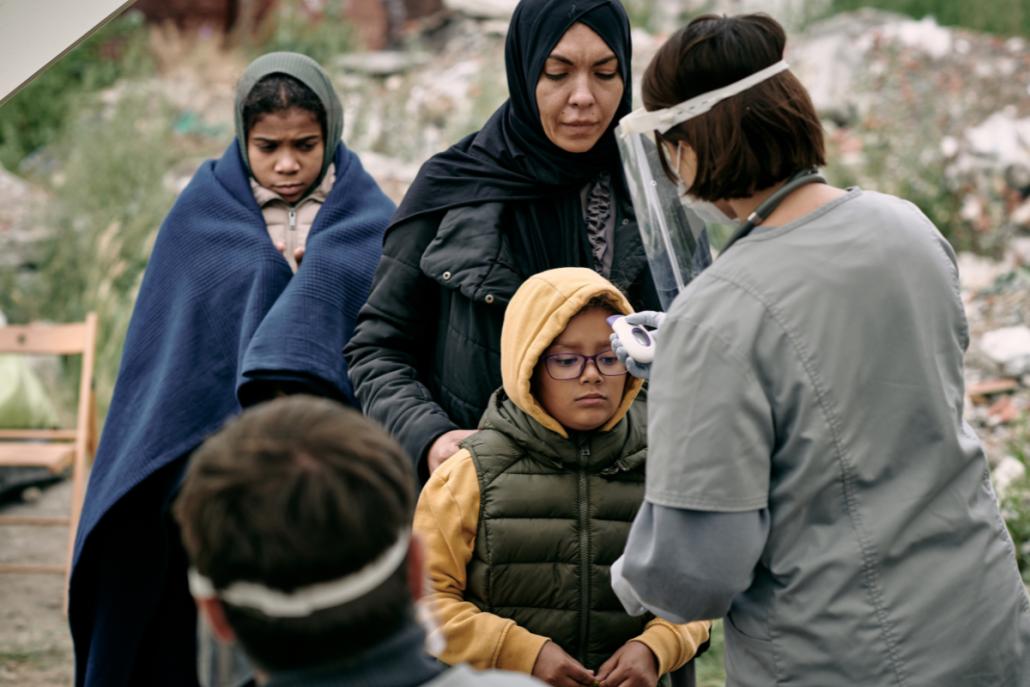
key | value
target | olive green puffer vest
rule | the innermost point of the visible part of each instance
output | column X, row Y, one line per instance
column 554, row 515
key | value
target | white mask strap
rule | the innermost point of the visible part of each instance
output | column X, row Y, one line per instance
column 641, row 121
column 305, row 600
column 679, row 155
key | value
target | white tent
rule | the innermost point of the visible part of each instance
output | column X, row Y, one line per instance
column 36, row 33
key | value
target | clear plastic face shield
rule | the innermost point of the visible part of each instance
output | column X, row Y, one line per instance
column 681, row 234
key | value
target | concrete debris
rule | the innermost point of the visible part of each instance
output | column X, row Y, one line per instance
column 483, row 9
column 1008, row 471
column 1009, row 348
column 924, row 35
column 382, row 62
column 1021, row 248
column 1002, row 140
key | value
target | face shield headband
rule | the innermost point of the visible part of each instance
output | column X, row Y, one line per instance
column 641, row 121
column 304, row 601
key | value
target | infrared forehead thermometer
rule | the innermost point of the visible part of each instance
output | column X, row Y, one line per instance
column 638, row 342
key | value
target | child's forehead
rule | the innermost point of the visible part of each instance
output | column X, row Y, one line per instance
column 588, row 327
column 289, row 119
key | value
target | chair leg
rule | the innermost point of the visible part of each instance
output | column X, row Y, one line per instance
column 78, row 492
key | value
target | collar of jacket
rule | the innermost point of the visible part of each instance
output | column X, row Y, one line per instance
column 470, row 254
column 399, row 661
column 623, row 447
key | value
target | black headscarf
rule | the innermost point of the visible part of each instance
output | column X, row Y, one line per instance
column 511, row 158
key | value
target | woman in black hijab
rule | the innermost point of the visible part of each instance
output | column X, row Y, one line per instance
column 539, row 186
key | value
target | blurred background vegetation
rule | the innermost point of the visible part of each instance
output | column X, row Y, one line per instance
column 1000, row 17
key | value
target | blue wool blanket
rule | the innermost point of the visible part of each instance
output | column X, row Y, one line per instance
column 218, row 310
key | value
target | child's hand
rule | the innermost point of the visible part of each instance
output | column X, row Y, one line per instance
column 298, row 253
column 557, row 668
column 633, row 665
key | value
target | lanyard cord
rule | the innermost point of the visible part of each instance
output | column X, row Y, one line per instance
column 797, row 180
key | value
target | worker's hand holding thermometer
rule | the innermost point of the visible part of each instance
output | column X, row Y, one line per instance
column 633, row 340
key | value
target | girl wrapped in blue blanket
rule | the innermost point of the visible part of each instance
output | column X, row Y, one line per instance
column 252, row 290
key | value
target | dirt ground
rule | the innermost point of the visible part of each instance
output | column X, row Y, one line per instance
column 35, row 648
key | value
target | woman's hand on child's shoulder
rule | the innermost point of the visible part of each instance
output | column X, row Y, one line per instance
column 445, row 446
column 633, row 665
column 557, row 668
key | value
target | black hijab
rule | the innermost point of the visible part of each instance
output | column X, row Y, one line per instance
column 511, row 158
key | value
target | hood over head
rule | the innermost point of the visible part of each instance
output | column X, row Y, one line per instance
column 538, row 312
column 308, row 72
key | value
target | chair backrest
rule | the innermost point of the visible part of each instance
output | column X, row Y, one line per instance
column 54, row 339
column 77, row 338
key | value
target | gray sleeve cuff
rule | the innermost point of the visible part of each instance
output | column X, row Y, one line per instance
column 629, row 599
column 685, row 565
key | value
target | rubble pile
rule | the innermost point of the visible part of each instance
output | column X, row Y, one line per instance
column 996, row 295
column 937, row 115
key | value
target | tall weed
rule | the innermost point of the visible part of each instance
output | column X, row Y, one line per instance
column 108, row 201
column 1015, row 504
column 291, row 26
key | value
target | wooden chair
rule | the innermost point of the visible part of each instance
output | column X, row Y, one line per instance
column 53, row 449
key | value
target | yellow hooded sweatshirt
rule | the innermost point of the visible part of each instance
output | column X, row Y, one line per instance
column 448, row 511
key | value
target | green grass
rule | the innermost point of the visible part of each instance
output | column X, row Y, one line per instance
column 1001, row 17
column 8, row 656
column 1015, row 504
column 710, row 670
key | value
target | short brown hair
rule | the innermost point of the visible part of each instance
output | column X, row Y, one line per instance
column 749, row 141
column 295, row 492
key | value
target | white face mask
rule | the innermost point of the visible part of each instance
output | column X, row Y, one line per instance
column 710, row 213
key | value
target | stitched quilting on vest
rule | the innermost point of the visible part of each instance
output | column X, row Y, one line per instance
column 547, row 537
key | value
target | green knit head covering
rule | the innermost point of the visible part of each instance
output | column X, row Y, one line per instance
column 308, row 72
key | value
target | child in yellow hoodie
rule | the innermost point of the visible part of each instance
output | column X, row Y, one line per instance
column 522, row 525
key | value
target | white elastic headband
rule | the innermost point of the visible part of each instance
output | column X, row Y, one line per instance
column 305, row 600
column 643, row 122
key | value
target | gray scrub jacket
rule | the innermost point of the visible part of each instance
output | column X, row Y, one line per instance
column 808, row 393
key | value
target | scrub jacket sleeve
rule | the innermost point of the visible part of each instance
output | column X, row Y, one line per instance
column 710, row 430
column 685, row 565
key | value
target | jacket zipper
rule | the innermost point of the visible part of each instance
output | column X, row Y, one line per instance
column 291, row 234
column 584, row 553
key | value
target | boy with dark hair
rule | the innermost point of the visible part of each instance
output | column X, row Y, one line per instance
column 296, row 518
column 522, row 524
